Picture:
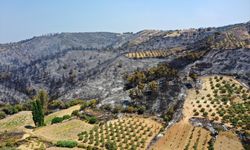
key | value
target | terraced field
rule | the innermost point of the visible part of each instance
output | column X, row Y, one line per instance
column 183, row 136
column 16, row 122
column 67, row 130
column 153, row 53
column 228, row 141
column 125, row 133
column 222, row 99
column 32, row 144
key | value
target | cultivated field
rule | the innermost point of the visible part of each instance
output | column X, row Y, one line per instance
column 126, row 132
column 67, row 130
column 32, row 144
column 228, row 141
column 153, row 53
column 183, row 136
column 16, row 121
column 222, row 99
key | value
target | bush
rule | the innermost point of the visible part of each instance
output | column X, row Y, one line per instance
column 84, row 105
column 196, row 114
column 56, row 120
column 141, row 110
column 75, row 113
column 56, row 104
column 74, row 102
column 117, row 109
column 217, row 84
column 205, row 114
column 66, row 117
column 68, row 143
column 107, row 107
column 92, row 120
column 111, row 146
column 9, row 109
column 2, row 114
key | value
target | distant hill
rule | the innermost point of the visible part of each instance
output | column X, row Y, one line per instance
column 92, row 65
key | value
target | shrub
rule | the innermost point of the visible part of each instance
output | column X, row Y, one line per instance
column 117, row 109
column 107, row 107
column 2, row 114
column 75, row 113
column 205, row 114
column 223, row 91
column 111, row 146
column 74, row 102
column 66, row 143
column 92, row 120
column 217, row 84
column 56, row 120
column 56, row 104
column 141, row 110
column 83, row 106
column 196, row 114
column 9, row 109
column 66, row 117
column 80, row 137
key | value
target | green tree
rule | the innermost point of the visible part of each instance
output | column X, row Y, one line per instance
column 2, row 114
column 110, row 145
column 38, row 113
column 42, row 96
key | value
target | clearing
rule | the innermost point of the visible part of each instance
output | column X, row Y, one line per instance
column 67, row 130
column 228, row 141
column 16, row 122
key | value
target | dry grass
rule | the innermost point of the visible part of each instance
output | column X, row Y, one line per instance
column 62, row 148
column 179, row 135
column 31, row 145
column 228, row 141
column 61, row 113
column 63, row 131
column 16, row 121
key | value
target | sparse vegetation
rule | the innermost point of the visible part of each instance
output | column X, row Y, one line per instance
column 69, row 144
